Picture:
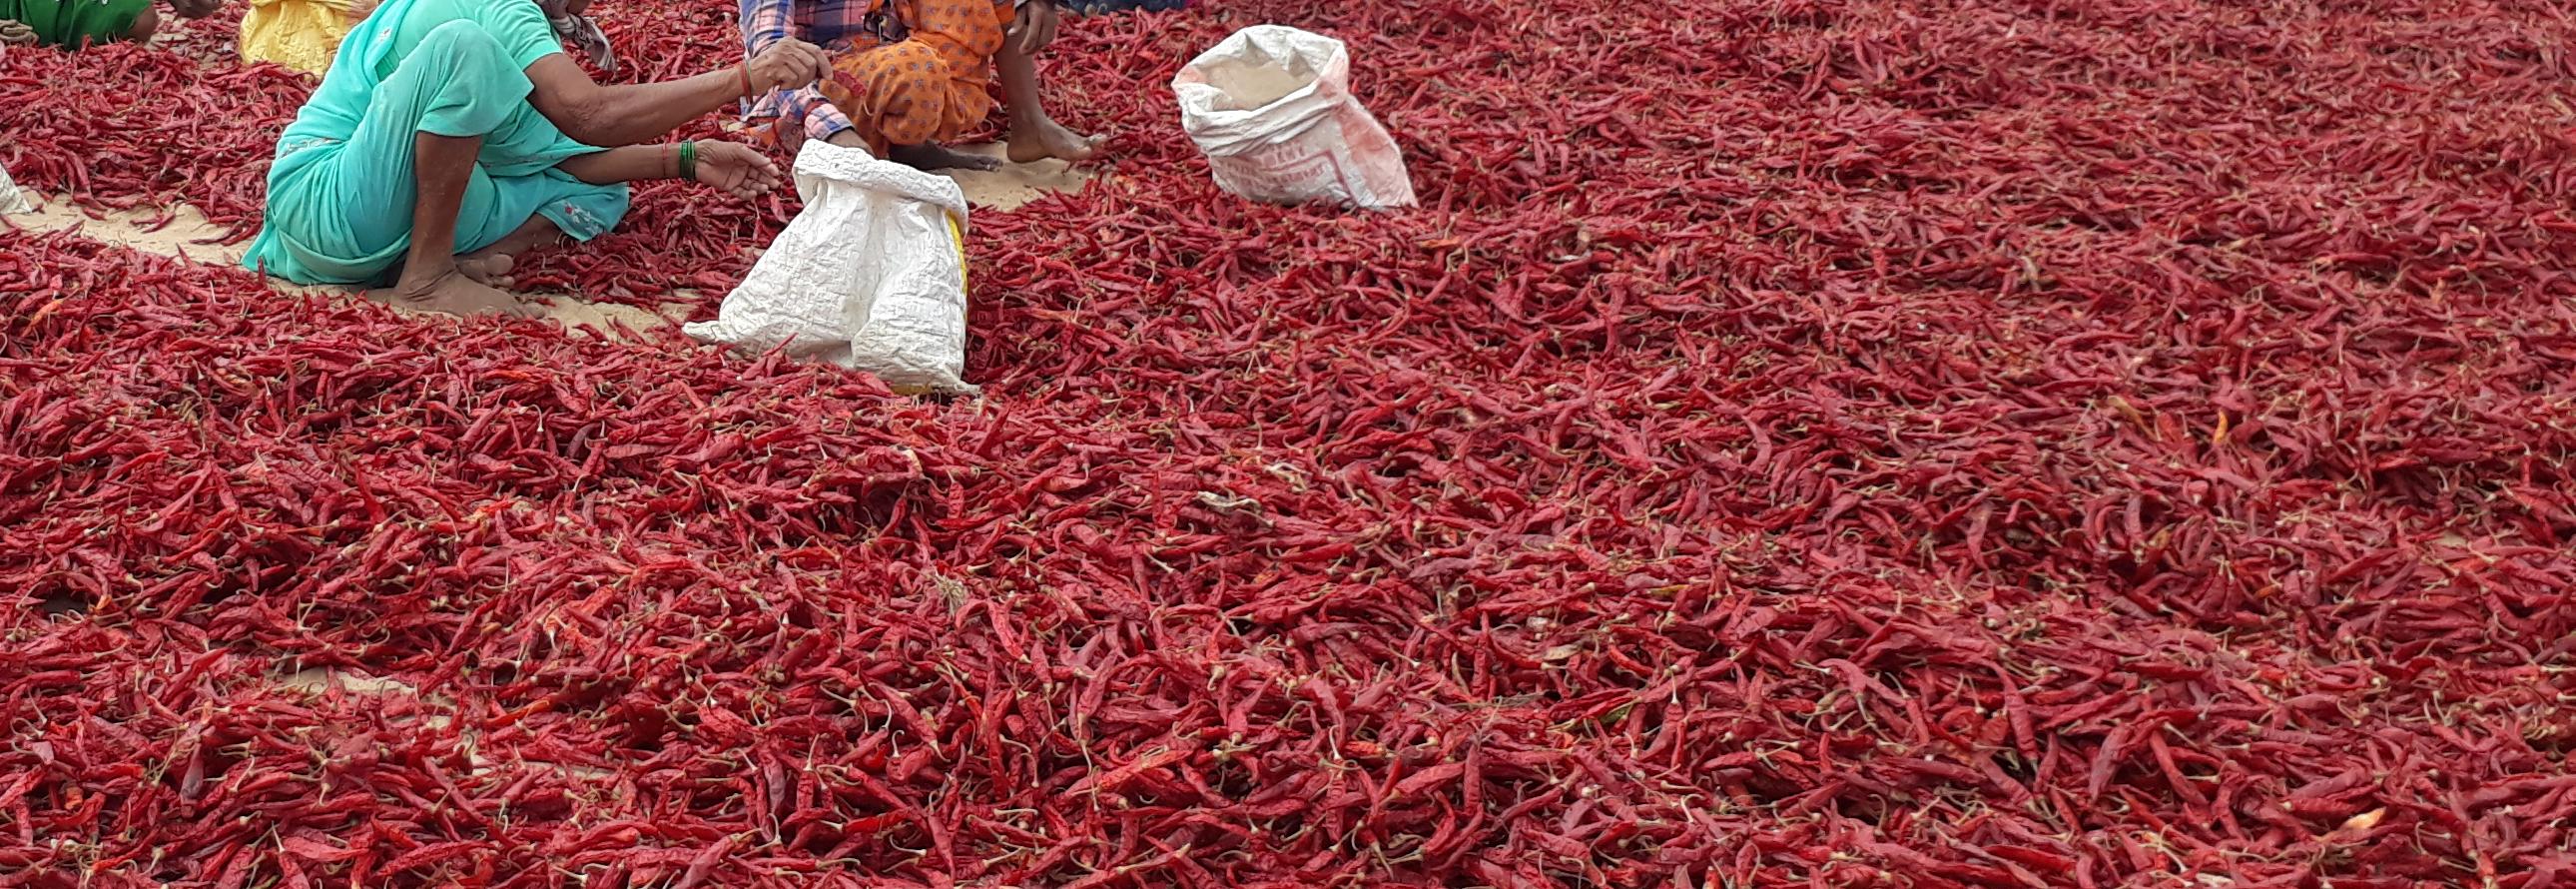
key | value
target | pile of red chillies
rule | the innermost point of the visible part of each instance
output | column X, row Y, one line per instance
column 1940, row 444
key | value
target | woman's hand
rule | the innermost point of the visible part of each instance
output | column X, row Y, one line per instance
column 788, row 64
column 1035, row 26
column 739, row 169
column 194, row 9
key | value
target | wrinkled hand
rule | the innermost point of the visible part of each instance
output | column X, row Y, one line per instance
column 789, row 64
column 1035, row 27
column 194, row 9
column 739, row 169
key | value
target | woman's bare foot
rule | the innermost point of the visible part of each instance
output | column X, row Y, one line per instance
column 1044, row 138
column 489, row 269
column 451, row 291
column 491, row 265
column 934, row 156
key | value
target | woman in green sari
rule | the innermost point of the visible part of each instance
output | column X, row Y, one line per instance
column 451, row 134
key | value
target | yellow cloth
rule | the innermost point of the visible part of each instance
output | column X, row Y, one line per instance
column 299, row 34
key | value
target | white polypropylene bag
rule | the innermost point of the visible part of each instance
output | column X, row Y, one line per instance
column 871, row 275
column 11, row 200
column 1272, row 108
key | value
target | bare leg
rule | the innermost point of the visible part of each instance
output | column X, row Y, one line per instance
column 927, row 156
column 491, row 265
column 1034, row 135
column 930, row 156
column 431, row 281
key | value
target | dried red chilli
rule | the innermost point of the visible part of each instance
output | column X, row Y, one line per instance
column 1861, row 444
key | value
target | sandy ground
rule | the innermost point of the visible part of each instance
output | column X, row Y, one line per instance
column 1014, row 185
column 1001, row 190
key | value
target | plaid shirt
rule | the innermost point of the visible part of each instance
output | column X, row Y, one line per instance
column 835, row 25
column 832, row 24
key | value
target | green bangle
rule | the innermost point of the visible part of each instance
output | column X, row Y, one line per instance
column 689, row 161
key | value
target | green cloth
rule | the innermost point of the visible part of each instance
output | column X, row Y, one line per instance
column 520, row 26
column 71, row 23
column 340, row 193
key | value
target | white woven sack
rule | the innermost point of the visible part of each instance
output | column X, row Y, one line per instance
column 11, row 199
column 871, row 275
column 1271, row 106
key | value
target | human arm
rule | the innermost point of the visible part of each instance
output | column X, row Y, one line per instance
column 625, row 114
column 733, row 167
column 194, row 9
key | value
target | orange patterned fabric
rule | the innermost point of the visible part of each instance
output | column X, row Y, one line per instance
column 932, row 85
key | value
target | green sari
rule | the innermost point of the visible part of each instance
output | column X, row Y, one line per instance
column 340, row 195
